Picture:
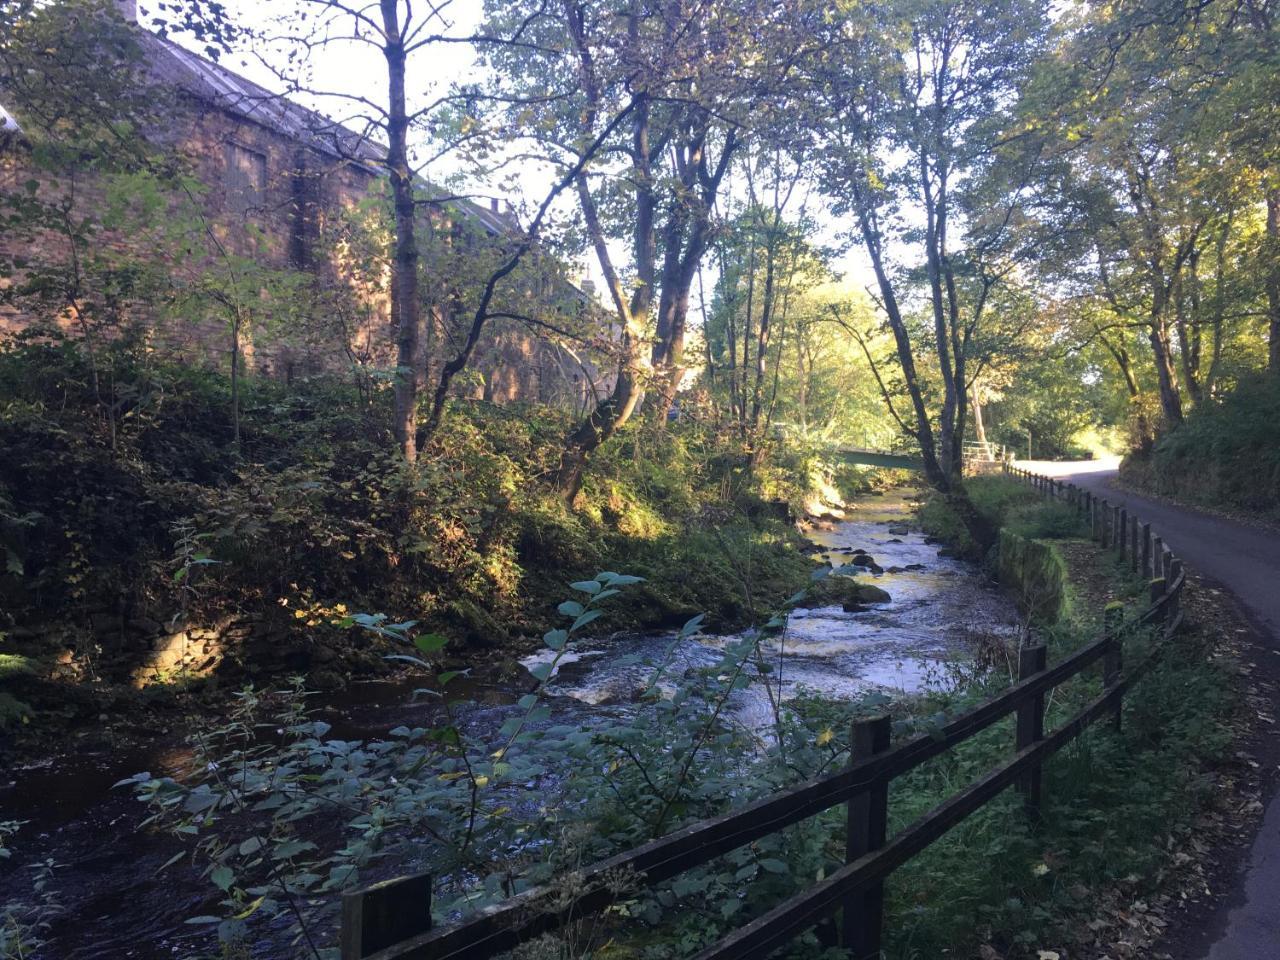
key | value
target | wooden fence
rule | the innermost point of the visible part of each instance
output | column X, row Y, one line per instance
column 392, row 920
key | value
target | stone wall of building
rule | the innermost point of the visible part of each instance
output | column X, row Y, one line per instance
column 266, row 197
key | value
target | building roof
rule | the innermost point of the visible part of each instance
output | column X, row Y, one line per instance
column 213, row 83
column 227, row 90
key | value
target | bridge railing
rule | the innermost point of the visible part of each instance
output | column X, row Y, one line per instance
column 984, row 450
column 392, row 920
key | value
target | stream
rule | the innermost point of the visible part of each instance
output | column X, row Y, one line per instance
column 114, row 905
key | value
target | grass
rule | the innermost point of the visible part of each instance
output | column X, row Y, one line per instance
column 1115, row 803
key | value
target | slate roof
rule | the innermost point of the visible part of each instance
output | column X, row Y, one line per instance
column 226, row 90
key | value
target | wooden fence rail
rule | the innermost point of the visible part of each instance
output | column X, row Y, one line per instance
column 392, row 920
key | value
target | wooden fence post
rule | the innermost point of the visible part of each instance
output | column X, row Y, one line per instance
column 1157, row 558
column 1104, row 517
column 1144, row 566
column 1113, row 661
column 1156, row 588
column 1175, row 571
column 1122, row 531
column 868, row 813
column 384, row 914
column 1136, row 553
column 1030, row 727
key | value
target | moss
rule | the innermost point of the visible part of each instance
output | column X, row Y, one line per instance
column 13, row 665
column 1226, row 453
column 13, row 711
column 1035, row 573
column 839, row 590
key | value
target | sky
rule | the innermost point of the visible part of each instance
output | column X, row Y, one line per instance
column 356, row 68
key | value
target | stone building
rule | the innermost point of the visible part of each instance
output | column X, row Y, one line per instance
column 278, row 186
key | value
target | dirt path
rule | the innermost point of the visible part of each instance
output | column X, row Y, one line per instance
column 1245, row 923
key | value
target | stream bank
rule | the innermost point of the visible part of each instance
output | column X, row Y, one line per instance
column 940, row 612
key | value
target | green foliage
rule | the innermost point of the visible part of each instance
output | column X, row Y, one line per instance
column 1226, row 453
column 24, row 923
column 1035, row 573
column 250, row 809
column 157, row 512
column 1113, row 803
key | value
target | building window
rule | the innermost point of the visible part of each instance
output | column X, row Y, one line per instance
column 246, row 178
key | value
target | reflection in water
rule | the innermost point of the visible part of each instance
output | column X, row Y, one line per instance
column 119, row 906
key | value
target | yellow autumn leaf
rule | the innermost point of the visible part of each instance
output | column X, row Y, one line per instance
column 825, row 737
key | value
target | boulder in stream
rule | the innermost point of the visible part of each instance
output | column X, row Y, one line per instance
column 838, row 591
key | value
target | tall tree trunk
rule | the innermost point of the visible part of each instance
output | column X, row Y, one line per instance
column 1273, row 278
column 767, row 301
column 604, row 421
column 1188, row 337
column 979, row 428
column 1219, row 307
column 235, row 376
column 610, row 414
column 404, row 279
column 1170, row 399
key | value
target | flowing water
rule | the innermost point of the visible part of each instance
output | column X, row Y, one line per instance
column 114, row 905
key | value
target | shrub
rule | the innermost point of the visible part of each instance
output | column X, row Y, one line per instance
column 1226, row 452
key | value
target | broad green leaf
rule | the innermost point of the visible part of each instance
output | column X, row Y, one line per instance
column 541, row 671
column 586, row 618
column 430, row 642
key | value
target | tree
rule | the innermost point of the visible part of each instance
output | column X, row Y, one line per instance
column 1134, row 105
column 904, row 96
column 767, row 268
column 417, row 124
column 73, row 71
column 694, row 73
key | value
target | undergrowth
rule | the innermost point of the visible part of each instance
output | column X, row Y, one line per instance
column 998, row 883
column 1226, row 453
column 102, row 498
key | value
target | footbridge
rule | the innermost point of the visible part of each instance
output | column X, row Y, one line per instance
column 880, row 458
column 979, row 457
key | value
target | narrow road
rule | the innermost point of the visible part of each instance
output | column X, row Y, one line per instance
column 1247, row 924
